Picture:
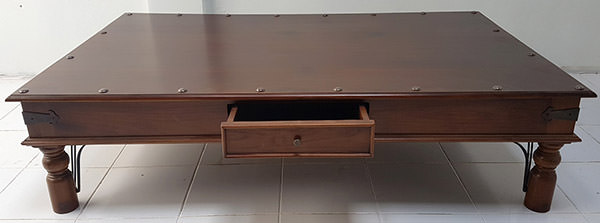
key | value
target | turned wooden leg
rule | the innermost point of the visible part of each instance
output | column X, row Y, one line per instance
column 60, row 180
column 542, row 179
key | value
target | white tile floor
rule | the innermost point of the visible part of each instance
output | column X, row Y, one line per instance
column 405, row 182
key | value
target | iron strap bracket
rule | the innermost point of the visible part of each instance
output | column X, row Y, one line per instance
column 38, row 117
column 564, row 114
column 76, row 166
column 528, row 153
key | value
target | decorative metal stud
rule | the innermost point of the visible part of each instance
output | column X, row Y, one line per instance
column 181, row 90
column 496, row 30
column 260, row 89
column 531, row 54
column 415, row 88
column 23, row 91
column 70, row 57
column 129, row 14
column 497, row 87
column 338, row 89
column 423, row 13
column 325, row 15
column 103, row 90
column 297, row 141
column 579, row 87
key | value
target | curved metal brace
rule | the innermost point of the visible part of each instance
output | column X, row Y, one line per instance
column 528, row 153
column 76, row 165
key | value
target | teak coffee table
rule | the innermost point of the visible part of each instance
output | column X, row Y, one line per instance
column 301, row 86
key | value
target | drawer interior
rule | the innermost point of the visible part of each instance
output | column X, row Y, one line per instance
column 297, row 111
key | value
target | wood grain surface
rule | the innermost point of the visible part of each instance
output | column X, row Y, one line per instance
column 152, row 56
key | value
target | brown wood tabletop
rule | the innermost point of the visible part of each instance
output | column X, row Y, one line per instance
column 171, row 57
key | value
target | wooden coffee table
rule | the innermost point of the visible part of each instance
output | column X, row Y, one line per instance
column 301, row 85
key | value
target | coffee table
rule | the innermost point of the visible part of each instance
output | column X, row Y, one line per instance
column 301, row 86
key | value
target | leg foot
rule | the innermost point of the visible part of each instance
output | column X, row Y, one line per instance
column 542, row 179
column 59, row 179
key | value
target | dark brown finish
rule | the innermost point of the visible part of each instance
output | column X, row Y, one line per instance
column 35, row 142
column 325, row 138
column 378, row 138
column 151, row 56
column 470, row 116
column 59, row 179
column 107, row 119
column 428, row 116
column 170, row 78
column 542, row 179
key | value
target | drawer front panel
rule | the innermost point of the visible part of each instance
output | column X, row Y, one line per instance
column 326, row 141
column 267, row 137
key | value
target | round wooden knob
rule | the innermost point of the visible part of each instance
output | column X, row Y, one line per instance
column 297, row 141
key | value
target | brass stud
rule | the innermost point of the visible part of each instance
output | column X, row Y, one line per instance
column 297, row 141
column 70, row 57
column 23, row 91
column 415, row 88
column 338, row 89
column 579, row 87
column 181, row 90
column 103, row 90
column 497, row 87
column 260, row 89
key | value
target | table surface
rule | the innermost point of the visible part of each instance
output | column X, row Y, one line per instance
column 153, row 55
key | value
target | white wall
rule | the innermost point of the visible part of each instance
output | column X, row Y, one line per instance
column 35, row 33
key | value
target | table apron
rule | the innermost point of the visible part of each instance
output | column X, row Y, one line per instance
column 484, row 119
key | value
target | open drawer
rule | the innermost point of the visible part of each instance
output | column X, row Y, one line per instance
column 294, row 129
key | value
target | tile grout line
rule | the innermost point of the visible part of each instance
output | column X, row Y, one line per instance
column 590, row 134
column 587, row 220
column 462, row 184
column 18, row 174
column 191, row 184
column 372, row 184
column 8, row 113
column 280, row 192
column 100, row 183
column 569, row 199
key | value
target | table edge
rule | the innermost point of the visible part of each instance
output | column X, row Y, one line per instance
column 299, row 96
column 563, row 138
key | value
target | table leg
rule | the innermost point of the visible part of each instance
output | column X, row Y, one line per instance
column 542, row 179
column 59, row 179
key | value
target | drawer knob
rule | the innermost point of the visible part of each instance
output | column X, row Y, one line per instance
column 297, row 141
